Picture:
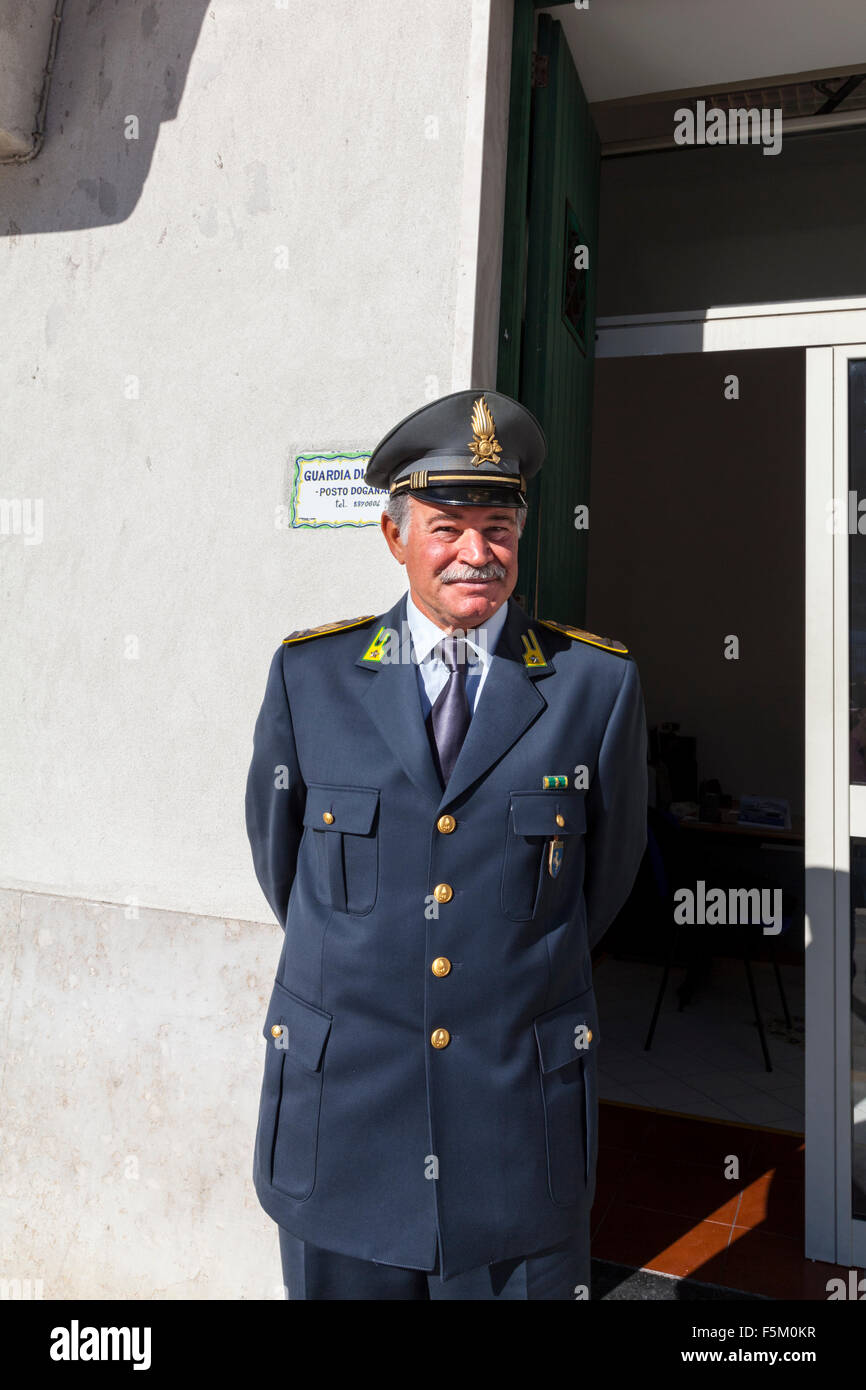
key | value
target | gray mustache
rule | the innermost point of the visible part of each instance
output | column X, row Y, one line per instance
column 460, row 572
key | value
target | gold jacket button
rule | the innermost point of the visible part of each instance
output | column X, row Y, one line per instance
column 443, row 892
column 589, row 1035
column 440, row 1037
column 276, row 1030
column 441, row 965
column 446, row 824
column 560, row 819
column 327, row 818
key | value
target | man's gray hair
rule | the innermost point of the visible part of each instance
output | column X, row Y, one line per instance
column 398, row 509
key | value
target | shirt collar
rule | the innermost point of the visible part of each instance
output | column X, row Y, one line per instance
column 425, row 633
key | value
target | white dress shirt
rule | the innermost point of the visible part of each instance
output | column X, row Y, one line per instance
column 432, row 671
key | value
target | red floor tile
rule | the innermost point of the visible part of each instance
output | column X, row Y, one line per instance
column 699, row 1141
column 622, row 1126
column 773, row 1265
column 775, row 1205
column 697, row 1190
column 658, row 1241
column 785, row 1154
column 663, row 1203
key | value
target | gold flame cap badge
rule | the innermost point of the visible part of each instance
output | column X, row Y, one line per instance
column 484, row 444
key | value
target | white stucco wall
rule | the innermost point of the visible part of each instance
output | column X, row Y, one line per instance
column 307, row 127
column 137, row 952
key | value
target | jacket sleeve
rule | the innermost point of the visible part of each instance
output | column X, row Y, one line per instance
column 617, row 809
column 275, row 794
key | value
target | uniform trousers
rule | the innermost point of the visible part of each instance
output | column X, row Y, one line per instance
column 559, row 1273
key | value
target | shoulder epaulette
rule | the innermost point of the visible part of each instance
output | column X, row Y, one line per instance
column 609, row 644
column 340, row 626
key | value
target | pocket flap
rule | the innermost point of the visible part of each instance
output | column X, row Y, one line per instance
column 352, row 809
column 534, row 813
column 568, row 1031
column 304, row 1029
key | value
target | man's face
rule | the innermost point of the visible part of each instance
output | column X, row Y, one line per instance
column 461, row 561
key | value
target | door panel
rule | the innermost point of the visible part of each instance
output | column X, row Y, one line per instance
column 559, row 327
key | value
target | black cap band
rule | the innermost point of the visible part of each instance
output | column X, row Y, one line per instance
column 455, row 495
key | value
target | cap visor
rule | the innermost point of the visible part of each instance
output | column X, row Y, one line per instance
column 456, row 496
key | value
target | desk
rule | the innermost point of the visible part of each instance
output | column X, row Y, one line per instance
column 795, row 836
column 728, row 855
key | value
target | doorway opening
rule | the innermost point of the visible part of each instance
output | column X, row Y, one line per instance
column 683, row 370
column 698, row 478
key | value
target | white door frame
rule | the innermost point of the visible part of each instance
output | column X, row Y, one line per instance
column 849, row 818
column 831, row 331
column 801, row 323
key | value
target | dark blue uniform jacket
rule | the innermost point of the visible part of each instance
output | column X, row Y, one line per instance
column 372, row 1140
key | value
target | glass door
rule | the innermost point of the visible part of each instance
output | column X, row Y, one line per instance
column 836, row 804
column 851, row 371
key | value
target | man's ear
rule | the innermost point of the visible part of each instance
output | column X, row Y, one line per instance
column 391, row 532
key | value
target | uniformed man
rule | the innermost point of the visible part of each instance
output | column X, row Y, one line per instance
column 447, row 808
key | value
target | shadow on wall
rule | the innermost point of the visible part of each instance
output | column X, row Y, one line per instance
column 115, row 59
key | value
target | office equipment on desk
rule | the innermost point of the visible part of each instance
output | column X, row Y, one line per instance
column 769, row 811
column 687, row 815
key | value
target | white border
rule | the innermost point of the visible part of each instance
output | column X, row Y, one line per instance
column 819, row 849
column 841, row 863
column 801, row 323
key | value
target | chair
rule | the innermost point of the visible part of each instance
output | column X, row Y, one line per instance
column 670, row 863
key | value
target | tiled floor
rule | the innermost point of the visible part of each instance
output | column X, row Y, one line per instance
column 700, row 1171
column 706, row 1059
column 663, row 1203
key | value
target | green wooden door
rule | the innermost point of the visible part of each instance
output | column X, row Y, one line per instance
column 548, row 357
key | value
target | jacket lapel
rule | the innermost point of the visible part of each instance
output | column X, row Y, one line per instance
column 394, row 704
column 509, row 702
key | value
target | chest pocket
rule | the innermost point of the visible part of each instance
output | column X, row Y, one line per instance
column 343, row 824
column 531, row 827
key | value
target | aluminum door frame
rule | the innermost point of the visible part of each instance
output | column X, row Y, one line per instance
column 849, row 804
column 831, row 332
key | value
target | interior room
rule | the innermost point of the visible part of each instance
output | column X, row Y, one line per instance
column 698, row 478
column 695, row 559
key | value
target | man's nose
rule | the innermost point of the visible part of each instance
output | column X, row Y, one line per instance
column 474, row 548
